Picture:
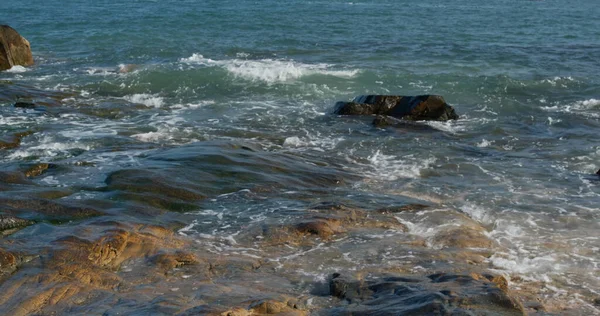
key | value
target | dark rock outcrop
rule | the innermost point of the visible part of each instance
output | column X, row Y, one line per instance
column 14, row 49
column 439, row 294
column 413, row 108
column 9, row 224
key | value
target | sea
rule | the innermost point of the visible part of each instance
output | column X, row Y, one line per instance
column 235, row 100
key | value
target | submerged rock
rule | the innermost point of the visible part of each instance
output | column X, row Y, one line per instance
column 25, row 105
column 14, row 49
column 14, row 141
column 440, row 294
column 41, row 209
column 10, row 224
column 413, row 108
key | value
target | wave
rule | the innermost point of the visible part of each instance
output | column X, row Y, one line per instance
column 149, row 100
column 16, row 69
column 269, row 70
column 580, row 107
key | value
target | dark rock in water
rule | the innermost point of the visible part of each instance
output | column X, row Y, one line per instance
column 14, row 141
column 25, row 105
column 13, row 177
column 598, row 172
column 14, row 49
column 440, row 294
column 9, row 224
column 46, row 210
column 414, row 108
column 37, row 169
column 146, row 181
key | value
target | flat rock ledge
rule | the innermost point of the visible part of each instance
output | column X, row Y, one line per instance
column 411, row 108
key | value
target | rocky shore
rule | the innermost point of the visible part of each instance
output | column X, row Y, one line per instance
column 131, row 252
column 127, row 246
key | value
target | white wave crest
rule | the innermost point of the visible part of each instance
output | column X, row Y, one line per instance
column 17, row 69
column 581, row 107
column 269, row 70
column 145, row 99
column 391, row 168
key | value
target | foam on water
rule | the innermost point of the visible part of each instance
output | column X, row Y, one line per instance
column 585, row 107
column 16, row 69
column 391, row 167
column 48, row 147
column 150, row 100
column 269, row 70
column 315, row 142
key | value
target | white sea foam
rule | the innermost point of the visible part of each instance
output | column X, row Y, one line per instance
column 314, row 142
column 145, row 99
column 484, row 143
column 194, row 105
column 269, row 70
column 17, row 69
column 391, row 168
column 48, row 147
column 536, row 267
column 99, row 71
column 477, row 213
column 582, row 107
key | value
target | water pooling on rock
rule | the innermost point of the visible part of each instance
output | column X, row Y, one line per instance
column 199, row 168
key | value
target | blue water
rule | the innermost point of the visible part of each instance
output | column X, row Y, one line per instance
column 139, row 77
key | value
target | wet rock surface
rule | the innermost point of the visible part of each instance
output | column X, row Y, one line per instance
column 10, row 224
column 440, row 294
column 13, row 141
column 42, row 209
column 150, row 240
column 15, row 50
column 411, row 108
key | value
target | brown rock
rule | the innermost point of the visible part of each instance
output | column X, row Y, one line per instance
column 324, row 228
column 37, row 169
column 14, row 141
column 413, row 108
column 281, row 305
column 10, row 224
column 403, row 208
column 14, row 49
column 463, row 237
column 8, row 262
column 170, row 261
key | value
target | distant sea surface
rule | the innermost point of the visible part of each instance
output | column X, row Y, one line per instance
column 237, row 97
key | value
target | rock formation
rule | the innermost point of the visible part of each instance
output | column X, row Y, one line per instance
column 14, row 49
column 413, row 108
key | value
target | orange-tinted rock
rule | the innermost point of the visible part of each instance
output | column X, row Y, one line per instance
column 463, row 237
column 14, row 49
column 13, row 141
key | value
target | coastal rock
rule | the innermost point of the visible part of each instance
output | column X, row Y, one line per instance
column 439, row 294
column 10, row 224
column 37, row 169
column 46, row 210
column 14, row 141
column 14, row 49
column 463, row 237
column 278, row 305
column 25, row 105
column 412, row 108
column 325, row 223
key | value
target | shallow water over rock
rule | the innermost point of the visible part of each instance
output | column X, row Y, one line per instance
column 185, row 158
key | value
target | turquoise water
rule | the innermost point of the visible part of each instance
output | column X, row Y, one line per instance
column 142, row 77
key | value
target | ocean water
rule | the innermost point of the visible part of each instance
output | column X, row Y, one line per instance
column 178, row 87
